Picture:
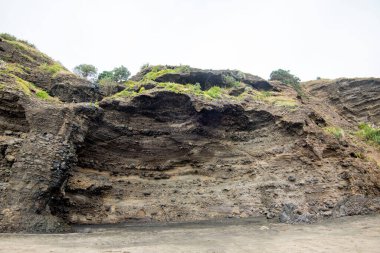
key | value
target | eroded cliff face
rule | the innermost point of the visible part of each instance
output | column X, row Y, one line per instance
column 164, row 151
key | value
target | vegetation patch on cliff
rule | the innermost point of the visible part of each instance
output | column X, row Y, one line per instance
column 337, row 132
column 369, row 133
column 161, row 70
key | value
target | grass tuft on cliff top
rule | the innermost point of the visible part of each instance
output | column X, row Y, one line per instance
column 160, row 70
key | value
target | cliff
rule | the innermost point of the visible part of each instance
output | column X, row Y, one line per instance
column 179, row 144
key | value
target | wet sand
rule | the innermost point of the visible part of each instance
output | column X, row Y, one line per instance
column 349, row 234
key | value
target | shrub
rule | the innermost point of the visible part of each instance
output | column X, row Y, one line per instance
column 230, row 81
column 335, row 131
column 108, row 86
column 369, row 133
column 284, row 76
column 288, row 79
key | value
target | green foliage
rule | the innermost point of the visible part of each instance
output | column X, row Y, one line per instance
column 42, row 95
column 9, row 37
column 335, row 131
column 13, row 68
column 284, row 76
column 52, row 69
column 118, row 74
column 369, row 133
column 214, row 92
column 288, row 79
column 105, row 75
column 108, row 86
column 160, row 70
column 230, row 81
column 87, row 71
column 121, row 74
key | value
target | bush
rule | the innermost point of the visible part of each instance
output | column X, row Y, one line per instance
column 288, row 79
column 369, row 133
column 230, row 81
column 108, row 86
column 284, row 76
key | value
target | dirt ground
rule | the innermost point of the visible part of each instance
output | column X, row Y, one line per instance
column 350, row 234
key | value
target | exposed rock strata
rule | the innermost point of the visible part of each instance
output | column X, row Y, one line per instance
column 161, row 155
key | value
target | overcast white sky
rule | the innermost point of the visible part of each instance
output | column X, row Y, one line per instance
column 327, row 38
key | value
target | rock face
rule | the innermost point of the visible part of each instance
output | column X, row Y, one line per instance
column 355, row 99
column 163, row 151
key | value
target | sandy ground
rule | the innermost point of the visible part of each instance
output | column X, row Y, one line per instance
column 351, row 234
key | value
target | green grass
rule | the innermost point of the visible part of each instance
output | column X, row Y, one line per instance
column 2, row 86
column 262, row 95
column 335, row 131
column 14, row 68
column 160, row 70
column 230, row 81
column 43, row 95
column 30, row 89
column 52, row 69
column 213, row 92
column 24, row 86
column 9, row 37
column 369, row 133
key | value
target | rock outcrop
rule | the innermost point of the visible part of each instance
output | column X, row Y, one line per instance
column 178, row 144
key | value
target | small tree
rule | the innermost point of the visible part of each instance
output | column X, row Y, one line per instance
column 284, row 76
column 120, row 74
column 87, row 71
column 288, row 79
column 105, row 75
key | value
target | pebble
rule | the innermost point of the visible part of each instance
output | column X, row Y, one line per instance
column 10, row 158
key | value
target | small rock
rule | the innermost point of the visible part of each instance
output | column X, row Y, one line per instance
column 8, row 132
column 264, row 228
column 10, row 158
column 270, row 215
column 291, row 178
